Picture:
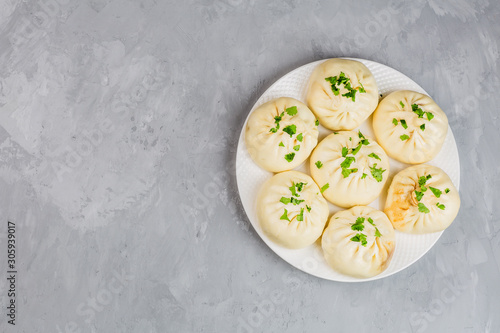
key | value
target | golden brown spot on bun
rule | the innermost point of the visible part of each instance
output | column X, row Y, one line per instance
column 400, row 203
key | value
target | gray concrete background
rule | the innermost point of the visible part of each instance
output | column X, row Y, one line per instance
column 118, row 129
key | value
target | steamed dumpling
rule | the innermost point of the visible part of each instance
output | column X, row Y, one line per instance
column 350, row 168
column 342, row 93
column 359, row 242
column 422, row 199
column 281, row 134
column 291, row 210
column 410, row 126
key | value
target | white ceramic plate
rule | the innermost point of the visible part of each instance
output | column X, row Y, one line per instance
column 409, row 248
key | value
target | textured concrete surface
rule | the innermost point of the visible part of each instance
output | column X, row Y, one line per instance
column 118, row 128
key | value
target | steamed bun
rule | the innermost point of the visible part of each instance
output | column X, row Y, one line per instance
column 422, row 199
column 410, row 126
column 359, row 242
column 342, row 93
column 291, row 210
column 350, row 168
column 281, row 134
